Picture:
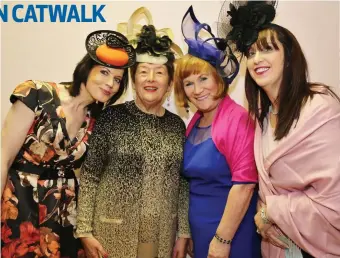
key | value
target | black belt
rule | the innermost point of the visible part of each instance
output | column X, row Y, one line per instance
column 44, row 173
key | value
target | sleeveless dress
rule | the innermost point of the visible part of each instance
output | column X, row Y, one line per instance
column 210, row 181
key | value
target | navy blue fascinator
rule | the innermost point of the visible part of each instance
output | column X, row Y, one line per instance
column 203, row 44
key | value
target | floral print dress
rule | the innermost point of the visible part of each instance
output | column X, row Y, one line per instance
column 38, row 208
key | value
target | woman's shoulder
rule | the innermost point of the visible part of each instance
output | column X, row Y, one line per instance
column 232, row 112
column 175, row 120
column 43, row 85
column 323, row 101
column 324, row 97
column 35, row 85
column 34, row 93
column 115, row 109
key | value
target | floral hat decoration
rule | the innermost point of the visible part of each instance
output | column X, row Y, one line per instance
column 203, row 44
column 110, row 49
column 241, row 21
column 151, row 45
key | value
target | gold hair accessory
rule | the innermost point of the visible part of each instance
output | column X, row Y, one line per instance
column 132, row 28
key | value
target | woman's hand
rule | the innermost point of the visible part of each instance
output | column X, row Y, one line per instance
column 93, row 249
column 269, row 231
column 218, row 249
column 190, row 248
column 261, row 226
column 273, row 236
column 180, row 248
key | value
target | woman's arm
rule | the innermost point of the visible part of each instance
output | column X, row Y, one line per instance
column 180, row 248
column 237, row 145
column 235, row 209
column 183, row 209
column 310, row 216
column 17, row 123
column 90, row 174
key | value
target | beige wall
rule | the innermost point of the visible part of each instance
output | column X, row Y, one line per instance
column 50, row 51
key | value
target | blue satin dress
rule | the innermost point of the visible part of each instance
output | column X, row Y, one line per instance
column 210, row 181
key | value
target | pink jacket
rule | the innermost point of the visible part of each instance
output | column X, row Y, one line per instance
column 300, row 180
column 233, row 135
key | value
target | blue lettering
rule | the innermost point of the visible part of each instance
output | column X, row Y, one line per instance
column 73, row 14
column 41, row 7
column 96, row 13
column 14, row 13
column 57, row 13
column 83, row 14
column 30, row 14
column 4, row 13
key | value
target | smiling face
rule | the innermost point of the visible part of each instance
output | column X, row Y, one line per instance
column 265, row 61
column 103, row 82
column 201, row 90
column 197, row 81
column 151, row 83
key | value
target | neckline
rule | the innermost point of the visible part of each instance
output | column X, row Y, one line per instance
column 203, row 127
column 148, row 113
column 62, row 119
column 133, row 109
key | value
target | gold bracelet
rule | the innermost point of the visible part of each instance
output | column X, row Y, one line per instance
column 223, row 241
column 264, row 218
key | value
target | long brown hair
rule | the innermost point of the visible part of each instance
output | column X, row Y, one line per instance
column 295, row 88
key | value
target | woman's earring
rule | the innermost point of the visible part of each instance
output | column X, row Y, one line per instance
column 168, row 101
column 187, row 107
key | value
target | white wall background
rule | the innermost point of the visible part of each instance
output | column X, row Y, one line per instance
column 50, row 51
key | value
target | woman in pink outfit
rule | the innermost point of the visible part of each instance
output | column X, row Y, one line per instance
column 297, row 140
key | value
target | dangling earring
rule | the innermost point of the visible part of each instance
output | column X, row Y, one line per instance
column 168, row 101
column 187, row 107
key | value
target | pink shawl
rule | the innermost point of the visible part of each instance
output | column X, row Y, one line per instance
column 233, row 134
column 300, row 180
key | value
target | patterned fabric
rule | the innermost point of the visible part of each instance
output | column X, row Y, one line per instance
column 38, row 209
column 130, row 181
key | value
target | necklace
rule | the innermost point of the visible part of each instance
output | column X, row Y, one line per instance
column 271, row 111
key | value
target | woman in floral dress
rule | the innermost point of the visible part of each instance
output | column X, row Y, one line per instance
column 44, row 141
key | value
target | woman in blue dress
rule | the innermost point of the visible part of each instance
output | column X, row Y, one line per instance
column 218, row 155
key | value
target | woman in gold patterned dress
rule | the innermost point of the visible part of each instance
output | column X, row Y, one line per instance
column 130, row 181
column 44, row 141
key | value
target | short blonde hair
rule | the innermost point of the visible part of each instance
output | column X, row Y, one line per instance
column 188, row 65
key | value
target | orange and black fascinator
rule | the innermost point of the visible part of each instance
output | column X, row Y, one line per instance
column 111, row 49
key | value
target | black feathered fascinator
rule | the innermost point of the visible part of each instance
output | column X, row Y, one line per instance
column 241, row 21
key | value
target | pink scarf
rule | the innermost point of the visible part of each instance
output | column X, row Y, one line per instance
column 233, row 134
column 300, row 180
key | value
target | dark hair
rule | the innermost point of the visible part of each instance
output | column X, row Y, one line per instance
column 294, row 89
column 169, row 66
column 80, row 75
